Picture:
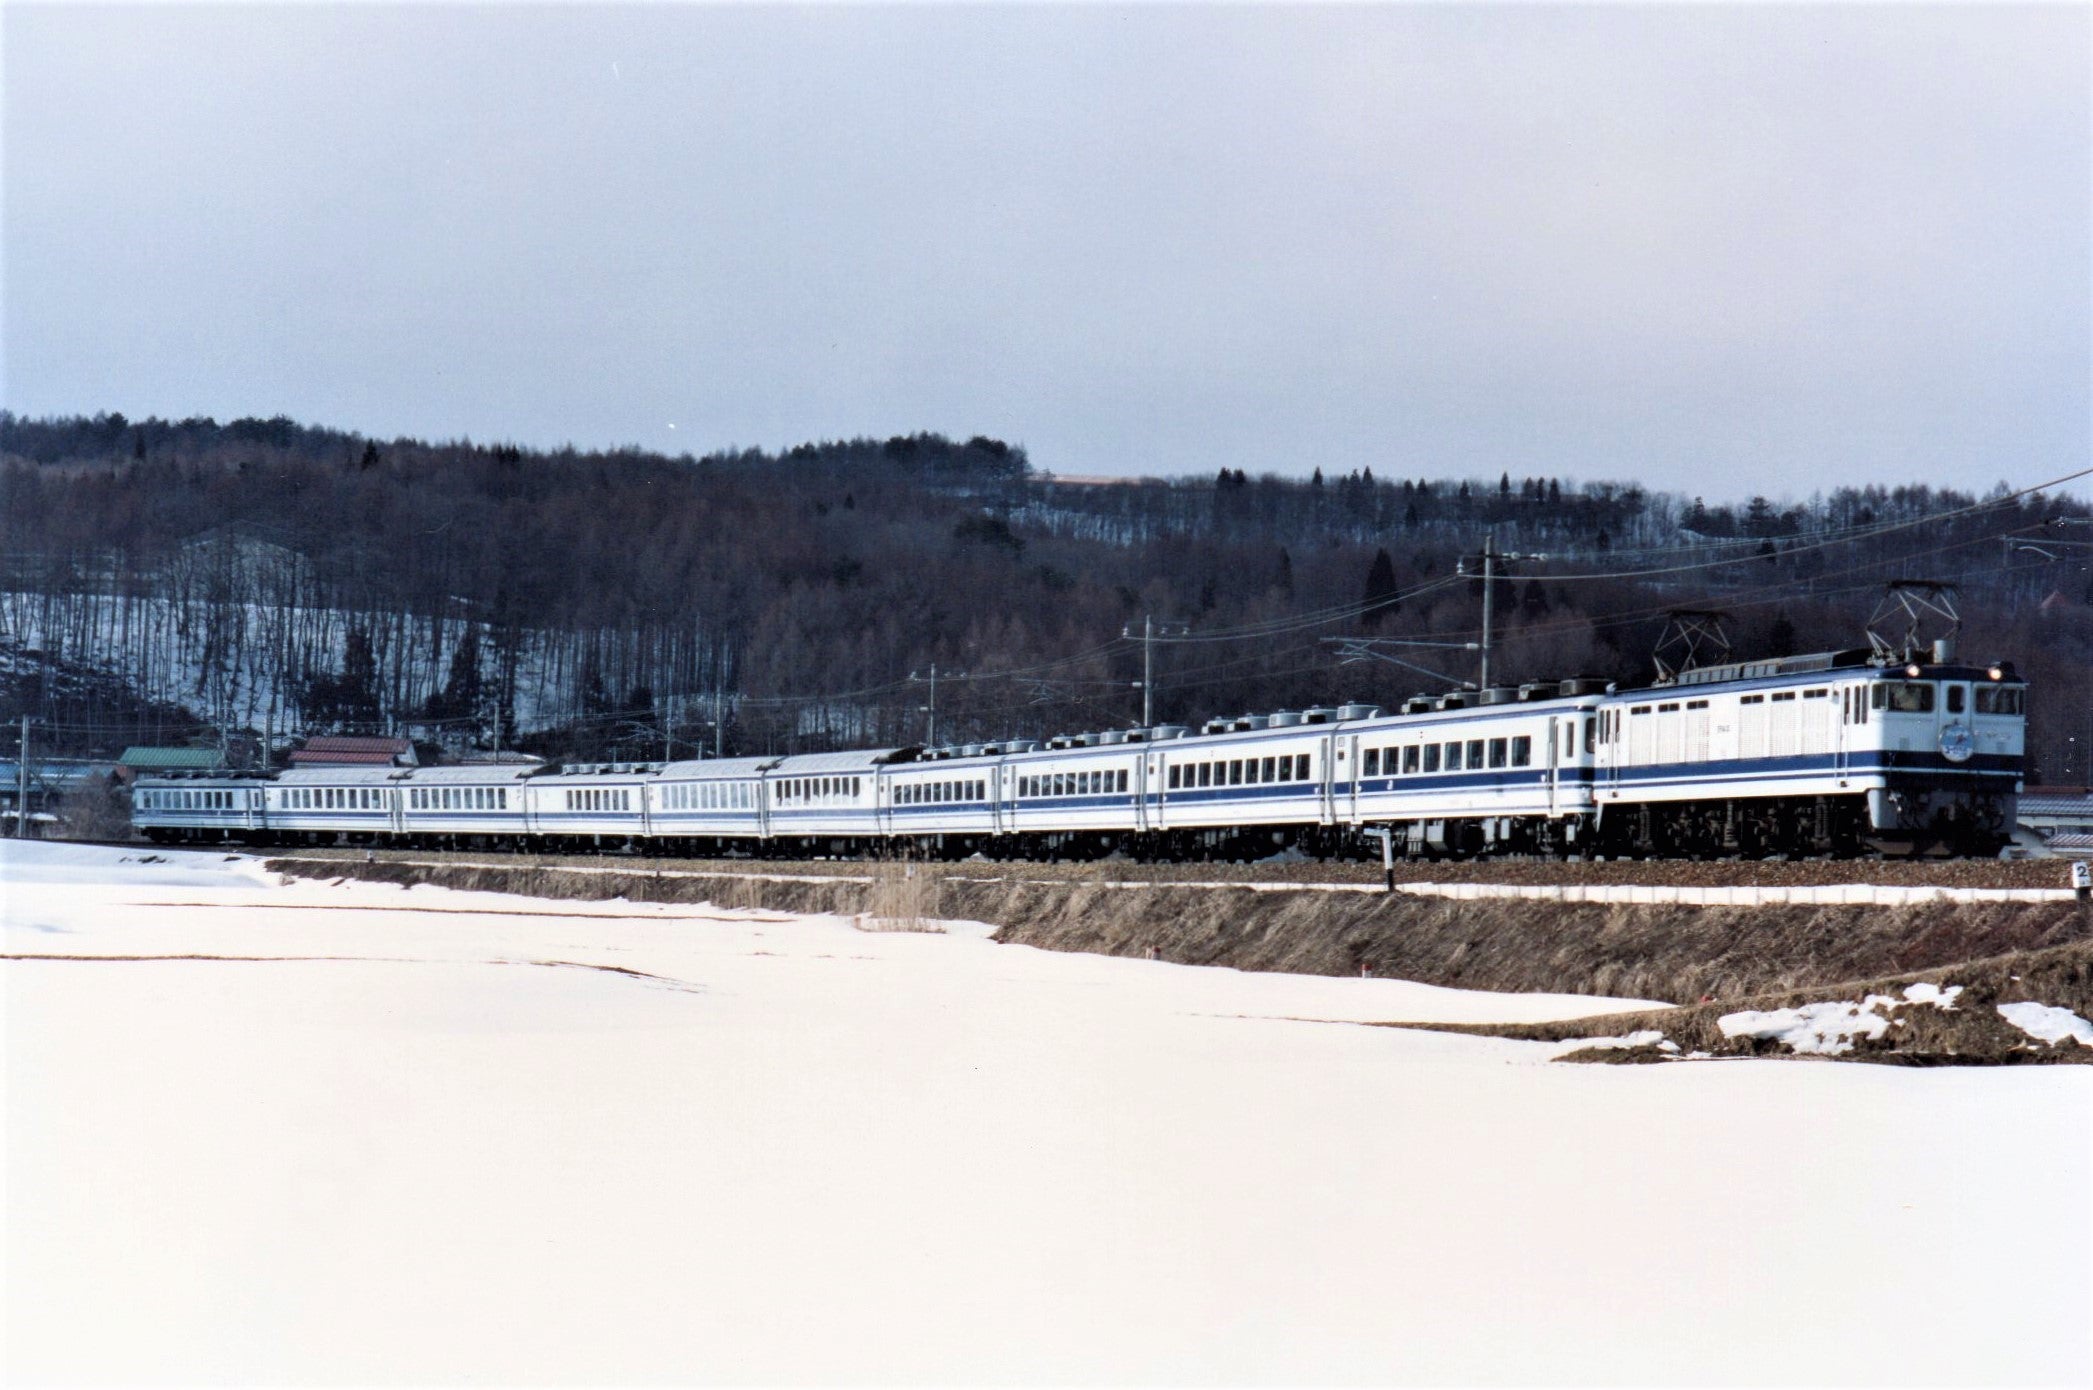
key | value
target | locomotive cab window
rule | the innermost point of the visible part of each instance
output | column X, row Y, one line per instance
column 2000, row 699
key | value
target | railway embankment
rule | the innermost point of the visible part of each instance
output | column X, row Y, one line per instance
column 1693, row 940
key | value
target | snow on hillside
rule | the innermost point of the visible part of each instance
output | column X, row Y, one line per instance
column 409, row 1135
column 225, row 661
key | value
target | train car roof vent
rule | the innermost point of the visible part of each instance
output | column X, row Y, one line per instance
column 1166, row 731
column 1321, row 714
column 1021, row 745
column 1356, row 710
column 1059, row 741
column 1217, row 726
column 971, row 750
column 1245, row 722
column 1107, row 737
column 1496, row 695
column 1581, row 685
column 1454, row 699
column 1418, row 704
column 1282, row 719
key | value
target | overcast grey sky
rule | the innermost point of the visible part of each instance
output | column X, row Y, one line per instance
column 1722, row 250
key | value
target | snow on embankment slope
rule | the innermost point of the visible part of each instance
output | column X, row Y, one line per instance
column 405, row 1135
column 1671, row 951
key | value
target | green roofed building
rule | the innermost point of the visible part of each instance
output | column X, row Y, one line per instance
column 147, row 762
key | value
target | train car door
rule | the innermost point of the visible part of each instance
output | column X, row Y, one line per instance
column 395, row 805
column 1141, row 766
column 999, row 789
column 1326, row 750
column 1348, row 770
column 1842, row 737
column 1554, row 765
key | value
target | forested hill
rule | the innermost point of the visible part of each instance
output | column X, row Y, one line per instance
column 278, row 578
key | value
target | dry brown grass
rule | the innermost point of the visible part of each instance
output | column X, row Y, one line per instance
column 903, row 896
column 1970, row 1034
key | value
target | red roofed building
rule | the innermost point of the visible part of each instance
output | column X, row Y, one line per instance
column 338, row 750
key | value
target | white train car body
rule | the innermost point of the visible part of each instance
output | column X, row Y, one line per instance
column 720, row 800
column 212, row 808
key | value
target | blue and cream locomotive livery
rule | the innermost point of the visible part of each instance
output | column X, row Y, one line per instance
column 1839, row 753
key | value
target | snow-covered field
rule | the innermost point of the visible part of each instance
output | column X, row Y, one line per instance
column 415, row 1135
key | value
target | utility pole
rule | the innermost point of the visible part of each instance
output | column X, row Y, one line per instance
column 1149, row 633
column 1148, row 671
column 22, row 784
column 1489, row 560
column 1490, row 557
column 930, row 709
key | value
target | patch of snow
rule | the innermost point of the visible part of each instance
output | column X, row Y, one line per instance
column 1829, row 1028
column 1932, row 994
column 2048, row 1023
column 1646, row 1037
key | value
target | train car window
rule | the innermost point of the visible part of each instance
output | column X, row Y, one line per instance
column 1123, row 777
column 1453, row 756
column 1522, row 750
column 1206, row 774
column 1497, row 752
column 1780, row 695
column 1235, row 772
column 1268, row 773
column 1911, row 697
column 1429, row 758
column 1589, row 730
column 1175, row 770
column 1703, row 704
column 1668, row 709
column 1300, row 767
column 1371, row 765
column 1955, row 699
column 1751, row 699
column 1475, row 754
column 1820, row 693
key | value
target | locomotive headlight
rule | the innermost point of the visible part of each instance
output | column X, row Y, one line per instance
column 1996, row 674
column 1912, row 670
